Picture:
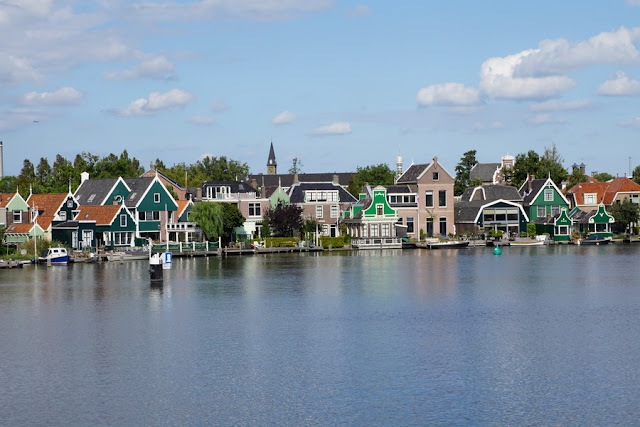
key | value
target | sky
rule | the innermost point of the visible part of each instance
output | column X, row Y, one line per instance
column 336, row 84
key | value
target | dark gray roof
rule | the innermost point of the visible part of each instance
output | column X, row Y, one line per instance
column 580, row 216
column 271, row 182
column 138, row 187
column 296, row 193
column 98, row 188
column 398, row 189
column 493, row 192
column 236, row 186
column 530, row 189
column 412, row 174
column 467, row 211
column 484, row 171
column 271, row 160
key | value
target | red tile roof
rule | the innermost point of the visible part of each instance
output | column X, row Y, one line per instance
column 182, row 205
column 19, row 228
column 606, row 191
column 102, row 215
column 619, row 185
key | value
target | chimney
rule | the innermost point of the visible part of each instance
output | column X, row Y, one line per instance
column 295, row 179
column 254, row 183
column 84, row 176
column 336, row 179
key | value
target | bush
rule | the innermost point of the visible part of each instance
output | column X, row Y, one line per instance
column 335, row 242
column 281, row 242
column 531, row 230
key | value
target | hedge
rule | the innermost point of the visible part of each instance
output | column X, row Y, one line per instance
column 281, row 242
column 335, row 242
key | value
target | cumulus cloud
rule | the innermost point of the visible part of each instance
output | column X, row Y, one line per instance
column 283, row 118
column 556, row 105
column 63, row 96
column 201, row 120
column 337, row 128
column 157, row 67
column 619, row 85
column 555, row 57
column 156, row 102
column 498, row 80
column 448, row 94
column 15, row 70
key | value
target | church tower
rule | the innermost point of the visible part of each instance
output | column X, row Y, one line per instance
column 272, row 165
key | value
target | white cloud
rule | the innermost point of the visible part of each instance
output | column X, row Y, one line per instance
column 15, row 70
column 448, row 94
column 555, row 57
column 219, row 106
column 492, row 126
column 497, row 80
column 360, row 10
column 63, row 96
column 555, row 105
column 283, row 118
column 157, row 101
column 157, row 67
column 633, row 2
column 337, row 128
column 545, row 119
column 201, row 120
column 619, row 85
column 633, row 123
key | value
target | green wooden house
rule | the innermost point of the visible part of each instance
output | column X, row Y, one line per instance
column 594, row 222
column 13, row 209
column 563, row 226
column 542, row 199
column 371, row 221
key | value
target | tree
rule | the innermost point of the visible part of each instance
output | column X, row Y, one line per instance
column 231, row 218
column 603, row 176
column 62, row 174
column 209, row 218
column 532, row 164
column 8, row 184
column 43, row 175
column 463, row 172
column 285, row 220
column 26, row 178
column 636, row 175
column 296, row 166
column 625, row 212
column 576, row 177
column 265, row 228
column 380, row 174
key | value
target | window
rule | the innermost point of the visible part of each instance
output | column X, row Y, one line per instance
column 512, row 214
column 374, row 230
column 122, row 237
column 590, row 198
column 386, row 230
column 318, row 211
column 63, row 215
column 149, row 216
column 255, row 209
column 156, row 197
column 548, row 195
column 436, row 176
column 155, row 215
column 410, row 225
column 379, row 209
column 117, row 200
column 123, row 220
column 321, row 196
column 335, row 212
column 555, row 210
column 443, row 226
column 91, row 197
column 392, row 199
column 325, row 229
column 70, row 203
column 428, row 197
column 429, row 226
column 364, row 230
column 635, row 198
column 489, row 215
column 442, row 198
column 542, row 211
column 17, row 217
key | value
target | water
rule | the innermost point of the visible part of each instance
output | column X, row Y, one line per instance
column 544, row 335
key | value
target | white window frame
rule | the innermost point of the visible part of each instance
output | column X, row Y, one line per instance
column 386, row 230
column 319, row 211
column 428, row 193
column 18, row 215
column 63, row 215
column 590, row 198
column 548, row 194
column 541, row 211
column 70, row 203
column 445, row 198
column 156, row 197
column 123, row 220
column 379, row 209
column 373, row 230
column 255, row 207
column 335, row 211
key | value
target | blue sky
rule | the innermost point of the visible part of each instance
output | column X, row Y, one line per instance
column 337, row 84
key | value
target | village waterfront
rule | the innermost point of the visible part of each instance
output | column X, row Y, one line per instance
column 543, row 335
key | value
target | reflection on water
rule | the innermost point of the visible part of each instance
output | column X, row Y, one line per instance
column 543, row 335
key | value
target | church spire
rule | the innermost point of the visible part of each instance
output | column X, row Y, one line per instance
column 272, row 165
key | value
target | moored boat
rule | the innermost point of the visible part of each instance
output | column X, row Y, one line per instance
column 53, row 256
column 527, row 243
column 595, row 240
column 128, row 256
column 449, row 244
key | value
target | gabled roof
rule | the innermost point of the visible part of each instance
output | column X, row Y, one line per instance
column 95, row 191
column 531, row 189
column 5, row 198
column 271, row 182
column 491, row 192
column 484, row 171
column 182, row 206
column 413, row 173
column 579, row 190
column 619, row 185
column 21, row 228
column 235, row 186
column 139, row 187
column 296, row 192
column 49, row 204
column 102, row 215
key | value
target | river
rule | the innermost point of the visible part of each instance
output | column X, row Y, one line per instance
column 535, row 336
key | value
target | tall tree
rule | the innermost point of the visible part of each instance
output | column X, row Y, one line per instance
column 285, row 220
column 26, row 178
column 463, row 171
column 209, row 218
column 62, row 175
column 296, row 166
column 380, row 174
column 43, row 176
column 603, row 176
column 531, row 163
column 636, row 175
column 625, row 213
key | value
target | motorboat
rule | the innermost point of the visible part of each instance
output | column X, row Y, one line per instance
column 595, row 239
column 128, row 256
column 449, row 244
column 55, row 255
column 527, row 243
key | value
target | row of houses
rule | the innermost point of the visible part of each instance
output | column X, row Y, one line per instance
column 129, row 211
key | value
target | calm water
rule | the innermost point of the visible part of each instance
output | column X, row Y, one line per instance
column 536, row 336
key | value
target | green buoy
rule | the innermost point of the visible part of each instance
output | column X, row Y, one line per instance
column 497, row 251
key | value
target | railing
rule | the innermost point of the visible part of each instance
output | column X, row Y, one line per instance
column 376, row 242
column 187, row 247
column 181, row 226
column 230, row 196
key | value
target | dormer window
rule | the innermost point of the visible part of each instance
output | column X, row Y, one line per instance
column 590, row 198
column 91, row 197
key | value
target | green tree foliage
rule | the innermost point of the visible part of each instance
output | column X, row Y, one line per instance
column 285, row 220
column 576, row 177
column 380, row 174
column 296, row 166
column 8, row 184
column 265, row 228
column 463, row 171
column 603, row 176
column 625, row 213
column 531, row 163
column 636, row 175
column 207, row 169
column 231, row 218
column 209, row 218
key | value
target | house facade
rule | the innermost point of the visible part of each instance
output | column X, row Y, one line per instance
column 542, row 198
column 372, row 222
column 13, row 209
column 433, row 187
column 490, row 208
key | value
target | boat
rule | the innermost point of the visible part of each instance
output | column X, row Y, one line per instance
column 55, row 255
column 595, row 239
column 128, row 256
column 527, row 243
column 449, row 244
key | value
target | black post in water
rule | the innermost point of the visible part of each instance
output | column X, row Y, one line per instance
column 155, row 269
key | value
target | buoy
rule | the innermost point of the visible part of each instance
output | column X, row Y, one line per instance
column 497, row 251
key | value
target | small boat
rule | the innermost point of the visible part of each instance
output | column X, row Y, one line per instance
column 595, row 240
column 53, row 256
column 449, row 244
column 128, row 256
column 527, row 243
